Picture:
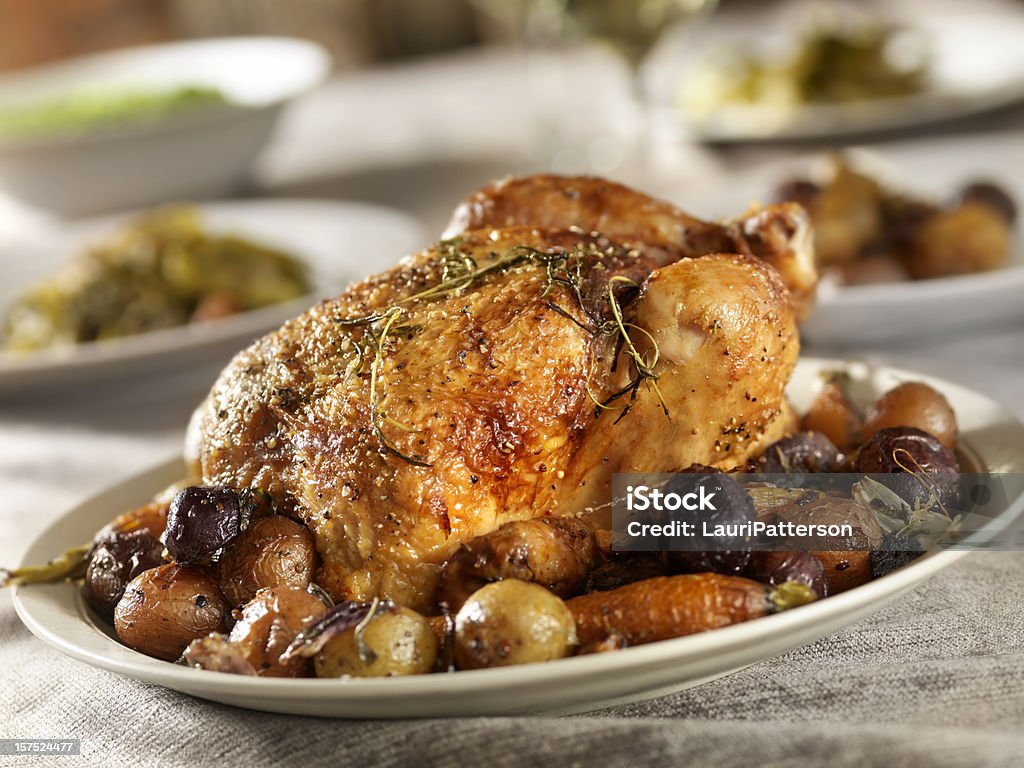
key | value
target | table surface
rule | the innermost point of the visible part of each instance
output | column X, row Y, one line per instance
column 936, row 679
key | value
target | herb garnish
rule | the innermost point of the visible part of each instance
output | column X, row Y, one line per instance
column 459, row 272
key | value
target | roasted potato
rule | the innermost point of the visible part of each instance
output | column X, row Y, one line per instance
column 806, row 452
column 973, row 237
column 268, row 624
column 912, row 463
column 166, row 608
column 913, row 404
column 273, row 552
column 801, row 506
column 150, row 518
column 834, row 415
column 845, row 570
column 512, row 622
column 392, row 641
column 775, row 568
column 557, row 553
column 117, row 559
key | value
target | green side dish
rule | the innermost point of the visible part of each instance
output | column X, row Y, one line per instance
column 161, row 270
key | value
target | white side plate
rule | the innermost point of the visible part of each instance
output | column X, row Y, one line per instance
column 932, row 170
column 341, row 242
column 57, row 614
column 977, row 64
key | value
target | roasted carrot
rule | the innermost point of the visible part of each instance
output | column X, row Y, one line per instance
column 672, row 606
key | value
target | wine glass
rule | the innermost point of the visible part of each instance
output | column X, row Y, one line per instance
column 632, row 28
column 629, row 27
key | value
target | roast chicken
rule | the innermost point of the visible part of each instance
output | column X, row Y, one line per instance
column 565, row 330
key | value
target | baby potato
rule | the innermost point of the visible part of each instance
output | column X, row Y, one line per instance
column 512, row 622
column 833, row 414
column 913, row 404
column 273, row 552
column 847, row 215
column 396, row 641
column 973, row 237
column 268, row 624
column 166, row 608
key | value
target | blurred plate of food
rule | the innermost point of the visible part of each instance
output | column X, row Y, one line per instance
column 178, row 286
column 65, row 616
column 910, row 240
column 149, row 124
column 810, row 70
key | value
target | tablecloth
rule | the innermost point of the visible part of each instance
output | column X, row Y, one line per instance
column 935, row 679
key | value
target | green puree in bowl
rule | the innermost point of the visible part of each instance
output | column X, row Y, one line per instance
column 98, row 109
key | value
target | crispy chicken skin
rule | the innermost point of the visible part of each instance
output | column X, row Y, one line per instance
column 458, row 391
column 779, row 234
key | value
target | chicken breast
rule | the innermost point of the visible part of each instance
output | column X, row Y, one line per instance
column 778, row 234
column 503, row 375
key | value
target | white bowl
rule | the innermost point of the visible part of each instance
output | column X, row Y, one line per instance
column 193, row 155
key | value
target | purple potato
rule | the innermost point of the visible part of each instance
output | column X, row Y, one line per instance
column 733, row 506
column 806, row 452
column 117, row 559
column 902, row 457
column 202, row 522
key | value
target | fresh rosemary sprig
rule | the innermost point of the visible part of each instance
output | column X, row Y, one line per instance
column 459, row 271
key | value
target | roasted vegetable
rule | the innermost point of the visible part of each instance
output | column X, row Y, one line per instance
column 913, row 404
column 166, row 608
column 68, row 565
column 732, row 507
column 150, row 518
column 806, row 452
column 623, row 568
column 801, row 506
column 557, row 553
column 267, row 626
column 116, row 560
column 865, row 233
column 673, row 606
column 378, row 639
column 913, row 464
column 273, row 552
column 512, row 622
column 992, row 195
column 972, row 237
column 775, row 568
column 201, row 522
column 834, row 415
column 847, row 215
